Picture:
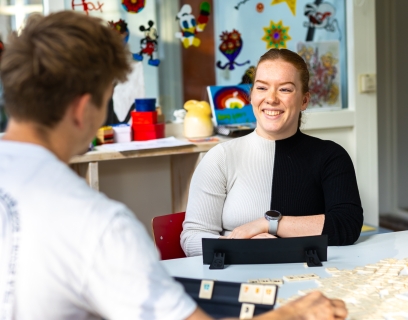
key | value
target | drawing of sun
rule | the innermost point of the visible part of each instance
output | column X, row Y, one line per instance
column 276, row 35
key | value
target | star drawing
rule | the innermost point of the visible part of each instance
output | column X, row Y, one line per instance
column 276, row 35
column 291, row 4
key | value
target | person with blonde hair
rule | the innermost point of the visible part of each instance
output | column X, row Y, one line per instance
column 276, row 181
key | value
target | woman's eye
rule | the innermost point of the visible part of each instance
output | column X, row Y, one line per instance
column 260, row 88
column 286, row 89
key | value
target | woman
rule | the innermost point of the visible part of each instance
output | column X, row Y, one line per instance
column 311, row 182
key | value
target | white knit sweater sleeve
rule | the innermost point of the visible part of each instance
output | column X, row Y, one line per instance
column 205, row 202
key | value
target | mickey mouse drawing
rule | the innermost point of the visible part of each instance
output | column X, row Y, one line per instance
column 148, row 44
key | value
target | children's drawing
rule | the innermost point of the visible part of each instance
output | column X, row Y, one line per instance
column 322, row 59
column 291, row 4
column 230, row 47
column 276, row 35
column 86, row 6
column 148, row 44
column 133, row 6
column 189, row 26
column 231, row 105
column 321, row 16
column 122, row 28
column 240, row 3
column 260, row 7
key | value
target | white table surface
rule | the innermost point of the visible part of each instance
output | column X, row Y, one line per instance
column 367, row 250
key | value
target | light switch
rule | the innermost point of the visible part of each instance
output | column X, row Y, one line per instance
column 368, row 83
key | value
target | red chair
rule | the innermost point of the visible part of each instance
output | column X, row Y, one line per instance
column 166, row 233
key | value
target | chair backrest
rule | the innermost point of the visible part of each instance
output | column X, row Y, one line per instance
column 166, row 233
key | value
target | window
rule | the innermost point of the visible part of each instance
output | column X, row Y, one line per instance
column 13, row 14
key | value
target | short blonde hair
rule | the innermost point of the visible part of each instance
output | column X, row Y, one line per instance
column 56, row 59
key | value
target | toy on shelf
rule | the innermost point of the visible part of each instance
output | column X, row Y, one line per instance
column 104, row 135
column 197, row 122
column 122, row 132
column 144, row 121
column 148, row 44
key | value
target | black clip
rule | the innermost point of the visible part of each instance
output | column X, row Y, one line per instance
column 218, row 261
column 312, row 258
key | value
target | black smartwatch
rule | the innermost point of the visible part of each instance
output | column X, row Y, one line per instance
column 273, row 218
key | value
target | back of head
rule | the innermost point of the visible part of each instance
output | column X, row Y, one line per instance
column 291, row 57
column 56, row 59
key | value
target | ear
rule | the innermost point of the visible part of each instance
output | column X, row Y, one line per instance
column 305, row 101
column 79, row 109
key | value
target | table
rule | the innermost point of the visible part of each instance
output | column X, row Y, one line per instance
column 367, row 250
column 183, row 161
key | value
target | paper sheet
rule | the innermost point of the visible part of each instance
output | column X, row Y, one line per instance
column 142, row 145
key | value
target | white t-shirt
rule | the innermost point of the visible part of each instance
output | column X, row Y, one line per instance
column 79, row 254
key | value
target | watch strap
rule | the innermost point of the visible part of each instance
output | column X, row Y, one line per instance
column 273, row 227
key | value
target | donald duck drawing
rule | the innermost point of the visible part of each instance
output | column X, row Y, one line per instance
column 189, row 26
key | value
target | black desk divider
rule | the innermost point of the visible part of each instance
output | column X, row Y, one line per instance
column 311, row 249
column 224, row 301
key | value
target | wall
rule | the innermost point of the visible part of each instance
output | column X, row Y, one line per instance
column 362, row 60
column 392, row 51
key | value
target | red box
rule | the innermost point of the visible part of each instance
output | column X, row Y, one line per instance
column 148, row 131
column 145, row 117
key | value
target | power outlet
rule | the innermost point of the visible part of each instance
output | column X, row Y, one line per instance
column 368, row 83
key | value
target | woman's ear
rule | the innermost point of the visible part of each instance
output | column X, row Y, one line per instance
column 305, row 101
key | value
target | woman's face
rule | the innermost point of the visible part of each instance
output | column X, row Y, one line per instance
column 277, row 99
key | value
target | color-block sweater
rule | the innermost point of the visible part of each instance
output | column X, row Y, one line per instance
column 239, row 180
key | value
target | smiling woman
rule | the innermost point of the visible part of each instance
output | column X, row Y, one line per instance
column 311, row 182
column 280, row 93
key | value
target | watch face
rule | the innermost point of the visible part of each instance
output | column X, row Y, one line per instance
column 273, row 214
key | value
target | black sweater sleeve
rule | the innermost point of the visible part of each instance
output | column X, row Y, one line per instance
column 343, row 211
column 313, row 176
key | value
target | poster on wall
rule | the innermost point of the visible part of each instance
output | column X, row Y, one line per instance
column 265, row 24
column 135, row 21
column 323, row 61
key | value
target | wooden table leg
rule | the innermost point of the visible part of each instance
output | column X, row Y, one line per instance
column 89, row 171
column 92, row 175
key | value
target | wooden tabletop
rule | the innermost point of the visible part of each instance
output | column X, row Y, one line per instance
column 102, row 155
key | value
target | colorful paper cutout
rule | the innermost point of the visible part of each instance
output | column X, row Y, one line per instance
column 230, row 47
column 189, row 26
column 87, row 6
column 291, row 4
column 133, row 6
column 240, row 3
column 122, row 28
column 276, row 35
column 231, row 105
column 260, row 7
column 323, row 64
column 321, row 16
column 148, row 44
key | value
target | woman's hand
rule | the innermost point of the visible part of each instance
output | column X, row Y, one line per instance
column 263, row 236
column 250, row 229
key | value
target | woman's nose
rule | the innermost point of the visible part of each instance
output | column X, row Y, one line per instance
column 272, row 98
